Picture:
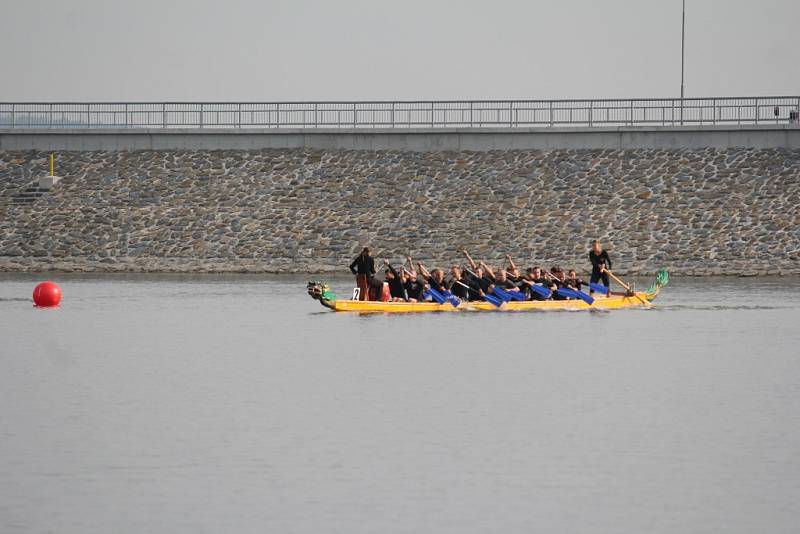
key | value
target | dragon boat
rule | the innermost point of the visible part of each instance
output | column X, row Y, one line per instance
column 631, row 299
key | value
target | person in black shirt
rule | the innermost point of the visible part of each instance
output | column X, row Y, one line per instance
column 397, row 289
column 573, row 281
column 534, row 276
column 499, row 279
column 455, row 288
column 478, row 283
column 512, row 268
column 414, row 286
column 434, row 278
column 364, row 269
column 600, row 262
column 558, row 280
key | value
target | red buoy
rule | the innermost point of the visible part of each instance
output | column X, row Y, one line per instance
column 47, row 294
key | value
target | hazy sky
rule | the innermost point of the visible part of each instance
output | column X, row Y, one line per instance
column 151, row 50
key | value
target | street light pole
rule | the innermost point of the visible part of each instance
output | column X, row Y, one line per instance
column 683, row 48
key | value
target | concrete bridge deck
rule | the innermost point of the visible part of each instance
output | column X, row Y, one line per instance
column 407, row 139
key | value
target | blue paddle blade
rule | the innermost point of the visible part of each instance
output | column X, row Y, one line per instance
column 600, row 288
column 502, row 294
column 435, row 295
column 452, row 299
column 539, row 290
column 566, row 292
column 513, row 295
column 588, row 299
column 494, row 300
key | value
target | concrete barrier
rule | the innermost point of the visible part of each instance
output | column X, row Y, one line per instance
column 420, row 140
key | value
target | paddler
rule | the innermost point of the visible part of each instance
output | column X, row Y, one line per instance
column 363, row 267
column 456, row 283
column 499, row 279
column 600, row 263
column 573, row 281
column 512, row 268
column 477, row 281
column 414, row 286
column 397, row 289
column 434, row 278
column 533, row 276
column 558, row 279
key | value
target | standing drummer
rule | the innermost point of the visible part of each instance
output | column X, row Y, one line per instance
column 364, row 269
column 600, row 263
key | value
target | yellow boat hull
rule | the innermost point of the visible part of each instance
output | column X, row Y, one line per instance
column 641, row 300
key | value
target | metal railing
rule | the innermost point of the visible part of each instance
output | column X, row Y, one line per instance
column 405, row 114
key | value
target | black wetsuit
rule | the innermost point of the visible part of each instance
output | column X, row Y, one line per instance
column 415, row 289
column 478, row 284
column 555, row 284
column 576, row 283
column 396, row 289
column 363, row 265
column 599, row 261
column 507, row 284
column 438, row 286
column 459, row 290
column 533, row 295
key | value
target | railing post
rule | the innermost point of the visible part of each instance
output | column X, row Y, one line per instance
column 239, row 115
column 471, row 123
column 551, row 113
column 202, row 118
column 714, row 111
column 278, row 115
column 13, row 115
column 88, row 116
column 126, row 115
column 511, row 113
column 50, row 113
column 316, row 121
column 433, row 116
column 392, row 115
column 355, row 115
column 796, row 109
column 163, row 115
column 755, row 104
column 591, row 108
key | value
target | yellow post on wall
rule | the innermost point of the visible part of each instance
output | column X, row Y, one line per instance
column 52, row 164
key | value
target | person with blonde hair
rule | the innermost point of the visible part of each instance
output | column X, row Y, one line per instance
column 600, row 263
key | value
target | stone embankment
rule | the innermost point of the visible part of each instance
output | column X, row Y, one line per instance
column 702, row 212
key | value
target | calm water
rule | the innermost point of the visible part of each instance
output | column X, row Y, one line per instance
column 238, row 404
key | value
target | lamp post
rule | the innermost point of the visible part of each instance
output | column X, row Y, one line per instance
column 683, row 48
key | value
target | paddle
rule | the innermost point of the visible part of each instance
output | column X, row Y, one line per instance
column 442, row 296
column 572, row 293
column 627, row 288
column 508, row 295
column 567, row 292
column 539, row 290
column 435, row 295
column 587, row 298
column 488, row 298
column 452, row 299
column 600, row 288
